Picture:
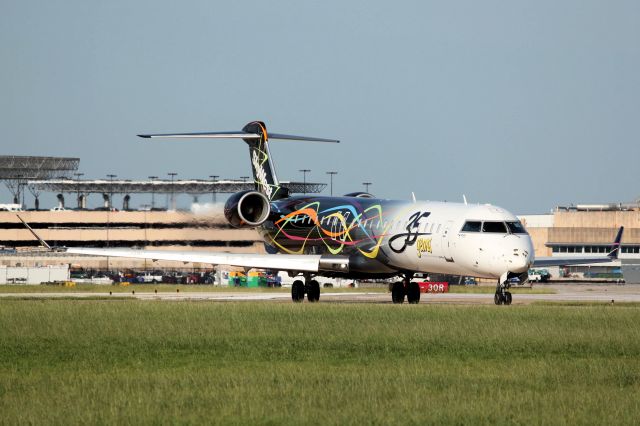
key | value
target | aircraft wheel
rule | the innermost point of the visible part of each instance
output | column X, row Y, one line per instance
column 313, row 291
column 497, row 298
column 413, row 293
column 507, row 298
column 397, row 292
column 297, row 291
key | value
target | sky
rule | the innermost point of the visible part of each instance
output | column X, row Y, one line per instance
column 523, row 104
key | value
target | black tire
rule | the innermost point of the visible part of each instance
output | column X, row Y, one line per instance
column 313, row 291
column 497, row 298
column 297, row 291
column 397, row 292
column 413, row 293
column 507, row 298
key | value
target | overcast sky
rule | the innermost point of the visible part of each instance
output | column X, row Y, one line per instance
column 523, row 104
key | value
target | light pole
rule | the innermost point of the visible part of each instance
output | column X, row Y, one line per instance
column 304, row 179
column 78, row 175
column 244, row 181
column 153, row 191
column 173, row 200
column 366, row 186
column 111, row 190
column 109, row 209
column 20, row 191
column 213, row 192
column 331, row 174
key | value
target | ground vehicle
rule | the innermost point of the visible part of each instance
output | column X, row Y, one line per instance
column 539, row 275
column 84, row 278
column 11, row 207
column 150, row 277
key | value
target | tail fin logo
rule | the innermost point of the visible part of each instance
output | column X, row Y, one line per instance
column 261, row 174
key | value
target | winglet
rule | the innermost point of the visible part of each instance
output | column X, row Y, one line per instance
column 43, row 242
column 615, row 247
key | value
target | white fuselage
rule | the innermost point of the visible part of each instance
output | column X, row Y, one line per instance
column 442, row 245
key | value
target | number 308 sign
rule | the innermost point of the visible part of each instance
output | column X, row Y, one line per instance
column 434, row 287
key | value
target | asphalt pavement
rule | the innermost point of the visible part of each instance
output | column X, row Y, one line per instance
column 611, row 293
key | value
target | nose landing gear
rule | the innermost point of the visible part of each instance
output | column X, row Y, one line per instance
column 503, row 295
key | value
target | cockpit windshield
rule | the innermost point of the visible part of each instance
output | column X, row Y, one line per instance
column 494, row 227
column 511, row 227
column 472, row 226
column 516, row 228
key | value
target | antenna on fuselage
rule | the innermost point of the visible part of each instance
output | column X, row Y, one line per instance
column 413, row 197
column 464, row 198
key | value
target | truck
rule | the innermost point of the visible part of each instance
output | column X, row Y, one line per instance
column 539, row 275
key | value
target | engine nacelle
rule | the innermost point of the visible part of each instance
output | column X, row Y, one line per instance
column 247, row 209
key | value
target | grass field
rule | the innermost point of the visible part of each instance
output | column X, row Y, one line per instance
column 72, row 362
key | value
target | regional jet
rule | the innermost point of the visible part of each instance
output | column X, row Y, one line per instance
column 358, row 236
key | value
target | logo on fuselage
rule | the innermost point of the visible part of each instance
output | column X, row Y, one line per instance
column 423, row 245
column 410, row 237
column 261, row 174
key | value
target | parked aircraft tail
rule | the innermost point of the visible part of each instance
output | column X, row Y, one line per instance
column 615, row 247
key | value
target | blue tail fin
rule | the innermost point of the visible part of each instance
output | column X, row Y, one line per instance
column 615, row 247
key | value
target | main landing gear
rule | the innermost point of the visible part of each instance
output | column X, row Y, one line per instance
column 502, row 296
column 309, row 287
column 403, row 288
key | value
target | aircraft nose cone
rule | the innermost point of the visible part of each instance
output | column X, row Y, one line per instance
column 521, row 257
column 520, row 263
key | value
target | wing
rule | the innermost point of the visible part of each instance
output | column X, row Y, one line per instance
column 280, row 262
column 284, row 262
column 566, row 261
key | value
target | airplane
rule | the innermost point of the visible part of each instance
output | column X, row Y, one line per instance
column 358, row 236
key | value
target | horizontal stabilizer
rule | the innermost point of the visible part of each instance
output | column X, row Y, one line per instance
column 300, row 138
column 238, row 135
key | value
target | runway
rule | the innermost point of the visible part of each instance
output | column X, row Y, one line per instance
column 563, row 293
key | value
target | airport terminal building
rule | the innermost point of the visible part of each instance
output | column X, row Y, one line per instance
column 580, row 230
column 585, row 230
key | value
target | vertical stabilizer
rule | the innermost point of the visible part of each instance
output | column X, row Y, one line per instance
column 264, row 173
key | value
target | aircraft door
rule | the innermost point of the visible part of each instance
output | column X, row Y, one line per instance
column 447, row 241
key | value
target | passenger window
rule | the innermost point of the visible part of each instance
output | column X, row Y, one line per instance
column 494, row 227
column 471, row 226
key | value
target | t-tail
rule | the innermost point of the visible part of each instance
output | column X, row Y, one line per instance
column 256, row 136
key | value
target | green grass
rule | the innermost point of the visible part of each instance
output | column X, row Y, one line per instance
column 79, row 362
